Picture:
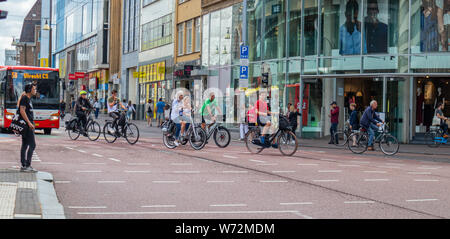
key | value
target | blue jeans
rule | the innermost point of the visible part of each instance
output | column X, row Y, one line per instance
column 333, row 129
column 177, row 133
column 96, row 112
column 371, row 130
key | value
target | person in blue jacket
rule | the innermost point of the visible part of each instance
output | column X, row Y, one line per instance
column 371, row 122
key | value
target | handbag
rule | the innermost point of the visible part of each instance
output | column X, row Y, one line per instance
column 18, row 125
column 436, row 121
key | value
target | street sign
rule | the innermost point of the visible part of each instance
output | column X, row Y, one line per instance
column 79, row 75
column 244, row 52
column 72, row 77
column 243, row 72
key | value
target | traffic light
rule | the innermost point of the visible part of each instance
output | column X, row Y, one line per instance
column 3, row 14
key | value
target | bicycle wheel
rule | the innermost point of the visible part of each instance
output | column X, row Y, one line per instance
column 93, row 131
column 253, row 134
column 109, row 133
column 74, row 134
column 222, row 137
column 357, row 142
column 389, row 145
column 131, row 133
column 340, row 138
column 430, row 139
column 287, row 143
column 197, row 141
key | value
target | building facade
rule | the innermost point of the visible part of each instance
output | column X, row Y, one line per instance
column 353, row 51
column 10, row 57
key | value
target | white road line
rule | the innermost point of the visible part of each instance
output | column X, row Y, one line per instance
column 330, row 171
column 188, row 212
column 376, row 180
column 426, row 180
column 228, row 205
column 220, row 181
column 432, row 168
column 283, row 171
column 69, row 148
column 110, row 181
column 126, row 171
column 358, row 202
column 7, row 162
column 186, row 171
column 113, row 159
column 63, row 181
column 273, row 181
column 94, row 163
column 165, row 181
column 307, row 164
column 395, row 164
column 258, row 161
column 374, row 171
column 138, row 164
column 81, row 151
column 97, row 155
column 326, row 180
column 332, row 160
column 295, row 203
column 267, row 164
column 89, row 171
column 158, row 206
column 180, row 164
column 355, row 161
column 422, row 200
column 388, row 166
column 349, row 165
column 419, row 173
column 87, row 207
column 229, row 156
column 234, row 171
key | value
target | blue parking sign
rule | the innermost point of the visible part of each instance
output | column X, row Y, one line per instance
column 244, row 52
column 243, row 72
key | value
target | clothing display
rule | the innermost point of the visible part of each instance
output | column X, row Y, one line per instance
column 419, row 110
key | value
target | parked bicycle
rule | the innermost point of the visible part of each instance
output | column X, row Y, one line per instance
column 93, row 129
column 341, row 136
column 194, row 134
column 285, row 139
column 127, row 130
column 435, row 137
column 358, row 141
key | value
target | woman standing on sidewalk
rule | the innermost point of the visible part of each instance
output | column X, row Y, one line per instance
column 28, row 141
column 96, row 107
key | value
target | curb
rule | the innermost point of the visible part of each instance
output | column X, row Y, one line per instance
column 50, row 206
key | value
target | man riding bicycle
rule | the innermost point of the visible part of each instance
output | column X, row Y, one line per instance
column 113, row 110
column 208, row 110
column 370, row 122
column 81, row 108
column 438, row 113
column 264, row 119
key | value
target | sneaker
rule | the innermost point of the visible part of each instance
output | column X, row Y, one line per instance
column 23, row 169
column 275, row 146
column 29, row 169
column 445, row 136
column 176, row 143
column 370, row 148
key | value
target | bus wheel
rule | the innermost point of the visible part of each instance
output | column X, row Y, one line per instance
column 48, row 131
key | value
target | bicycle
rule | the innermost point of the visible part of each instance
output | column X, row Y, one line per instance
column 194, row 134
column 129, row 130
column 358, row 141
column 284, row 136
column 341, row 136
column 434, row 137
column 93, row 129
column 222, row 136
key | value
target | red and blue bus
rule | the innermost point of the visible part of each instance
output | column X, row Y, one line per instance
column 45, row 103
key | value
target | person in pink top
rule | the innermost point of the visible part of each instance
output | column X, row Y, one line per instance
column 264, row 118
column 334, row 115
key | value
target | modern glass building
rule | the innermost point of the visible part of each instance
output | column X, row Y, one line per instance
column 318, row 51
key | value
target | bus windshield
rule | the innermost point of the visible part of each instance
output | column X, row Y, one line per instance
column 47, row 96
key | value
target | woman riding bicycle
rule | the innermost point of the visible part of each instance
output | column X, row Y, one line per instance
column 438, row 113
column 176, row 115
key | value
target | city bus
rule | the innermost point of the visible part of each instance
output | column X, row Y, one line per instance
column 45, row 103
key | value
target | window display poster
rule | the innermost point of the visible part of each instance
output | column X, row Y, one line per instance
column 434, row 25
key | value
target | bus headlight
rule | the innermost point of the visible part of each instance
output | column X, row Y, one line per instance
column 9, row 116
column 54, row 117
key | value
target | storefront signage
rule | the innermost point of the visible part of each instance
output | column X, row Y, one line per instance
column 151, row 72
column 187, row 70
column 276, row 8
column 30, row 76
column 79, row 75
column 72, row 77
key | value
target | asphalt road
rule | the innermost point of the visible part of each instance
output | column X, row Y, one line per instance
column 147, row 180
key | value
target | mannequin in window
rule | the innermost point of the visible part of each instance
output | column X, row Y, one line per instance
column 432, row 26
column 420, row 106
column 439, row 97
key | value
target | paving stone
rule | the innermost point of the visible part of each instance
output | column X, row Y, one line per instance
column 27, row 202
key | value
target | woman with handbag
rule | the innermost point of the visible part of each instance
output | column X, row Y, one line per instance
column 28, row 140
column 439, row 114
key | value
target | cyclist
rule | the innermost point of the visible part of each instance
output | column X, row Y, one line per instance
column 177, row 111
column 438, row 113
column 353, row 120
column 113, row 110
column 81, row 108
column 208, row 110
column 264, row 118
column 370, row 121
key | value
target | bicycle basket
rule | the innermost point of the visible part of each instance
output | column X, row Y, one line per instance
column 283, row 123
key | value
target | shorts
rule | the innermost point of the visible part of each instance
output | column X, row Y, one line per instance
column 184, row 118
column 149, row 115
column 160, row 116
column 262, row 120
column 206, row 119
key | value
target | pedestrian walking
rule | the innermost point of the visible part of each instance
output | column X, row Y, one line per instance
column 28, row 140
column 149, row 107
column 97, row 107
column 62, row 108
column 293, row 118
column 130, row 109
column 72, row 109
column 334, row 115
column 160, row 112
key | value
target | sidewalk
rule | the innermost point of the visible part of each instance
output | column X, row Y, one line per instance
column 25, row 195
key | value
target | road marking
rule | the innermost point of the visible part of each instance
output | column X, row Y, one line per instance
column 330, row 171
column 267, row 164
column 50, row 163
column 419, row 173
column 7, row 162
column 138, row 163
column 332, row 160
column 113, row 159
column 326, row 180
column 81, row 151
column 228, row 205
column 69, row 148
column 126, row 171
column 358, row 202
column 307, row 164
column 421, row 200
column 166, row 181
column 295, row 203
column 27, row 216
column 283, row 171
column 424, row 167
column 349, row 165
column 188, row 212
column 89, row 171
column 376, row 179
column 395, row 164
column 180, row 164
column 97, row 155
column 110, row 181
column 388, row 166
column 186, row 171
column 273, row 181
column 158, row 206
column 87, row 207
column 355, row 161
column 258, row 161
column 234, row 171
column 374, row 171
column 220, row 181
column 426, row 180
column 94, row 163
column 62, row 181
column 229, row 156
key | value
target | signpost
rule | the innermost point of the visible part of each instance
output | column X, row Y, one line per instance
column 243, row 69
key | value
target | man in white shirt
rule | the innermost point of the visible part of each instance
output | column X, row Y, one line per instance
column 176, row 108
